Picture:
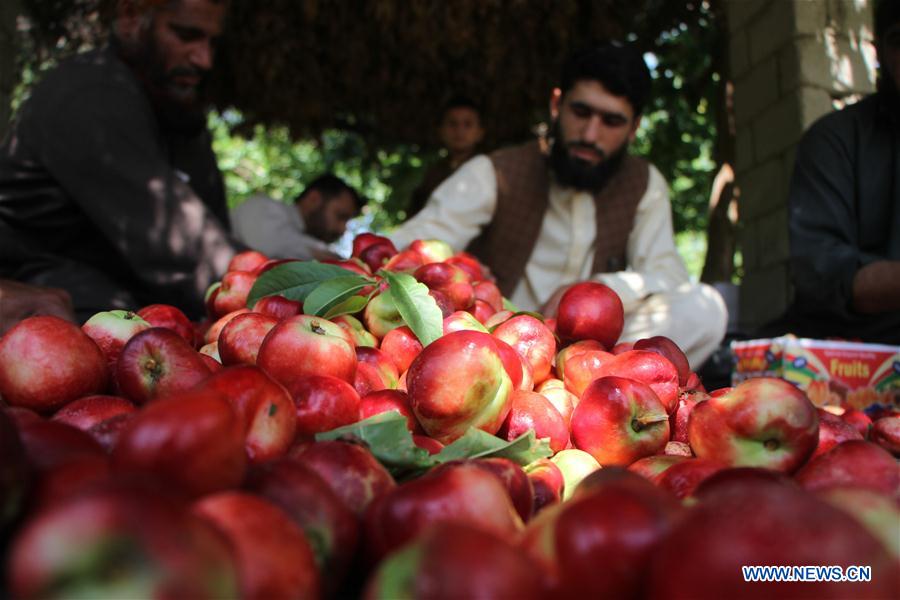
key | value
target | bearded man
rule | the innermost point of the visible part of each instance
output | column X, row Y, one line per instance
column 545, row 215
column 109, row 189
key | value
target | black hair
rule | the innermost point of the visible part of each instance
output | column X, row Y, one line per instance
column 461, row 102
column 887, row 13
column 619, row 67
column 329, row 186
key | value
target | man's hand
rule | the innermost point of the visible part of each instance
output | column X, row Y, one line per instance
column 876, row 287
column 551, row 305
column 321, row 255
column 19, row 301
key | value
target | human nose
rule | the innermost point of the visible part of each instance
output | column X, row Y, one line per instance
column 202, row 55
column 593, row 129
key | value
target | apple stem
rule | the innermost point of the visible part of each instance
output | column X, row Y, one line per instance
column 640, row 424
column 771, row 444
column 316, row 328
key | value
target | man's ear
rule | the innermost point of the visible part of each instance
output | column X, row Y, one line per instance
column 555, row 100
column 634, row 128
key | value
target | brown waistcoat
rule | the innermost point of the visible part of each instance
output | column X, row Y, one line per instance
column 523, row 191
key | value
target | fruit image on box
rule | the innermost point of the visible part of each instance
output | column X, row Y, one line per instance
column 842, row 374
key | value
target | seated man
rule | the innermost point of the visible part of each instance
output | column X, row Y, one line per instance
column 302, row 229
column 460, row 132
column 583, row 208
column 109, row 188
column 19, row 301
column 845, row 212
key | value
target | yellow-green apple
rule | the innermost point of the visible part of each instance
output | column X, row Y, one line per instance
column 278, row 307
column 381, row 315
column 374, row 371
column 357, row 331
column 449, row 280
column 402, row 346
column 330, row 528
column 458, row 492
column 193, row 441
column 349, row 469
column 273, row 557
column 878, row 513
column 170, row 317
column 110, row 330
column 241, row 337
column 562, row 399
column 459, row 381
column 832, row 431
column 455, row 560
column 263, row 405
column 462, row 321
column 886, row 433
column 575, row 465
column 858, row 463
column 236, row 286
column 546, row 481
column 46, row 362
column 598, row 544
column 666, row 347
column 86, row 412
column 405, row 261
column 212, row 334
column 120, row 542
column 590, row 311
column 514, row 479
column 619, row 421
column 763, row 422
column 306, row 345
column 530, row 338
column 431, row 251
column 757, row 523
column 323, row 403
column 650, row 368
column 530, row 411
column 248, row 260
column 158, row 362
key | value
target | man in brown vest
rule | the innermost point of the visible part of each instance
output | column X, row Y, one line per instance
column 577, row 206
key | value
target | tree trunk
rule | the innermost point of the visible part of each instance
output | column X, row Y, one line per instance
column 9, row 52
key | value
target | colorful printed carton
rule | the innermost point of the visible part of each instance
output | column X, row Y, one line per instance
column 845, row 374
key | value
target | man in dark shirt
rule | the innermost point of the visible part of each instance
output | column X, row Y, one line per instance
column 109, row 188
column 845, row 211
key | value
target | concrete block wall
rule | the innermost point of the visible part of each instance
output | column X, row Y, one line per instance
column 792, row 61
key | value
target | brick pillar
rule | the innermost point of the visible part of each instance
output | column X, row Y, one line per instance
column 792, row 61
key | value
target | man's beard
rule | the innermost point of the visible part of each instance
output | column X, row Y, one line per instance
column 573, row 172
column 179, row 108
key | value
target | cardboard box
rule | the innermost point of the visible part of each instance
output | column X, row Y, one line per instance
column 845, row 374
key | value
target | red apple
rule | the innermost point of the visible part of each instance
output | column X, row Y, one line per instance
column 241, row 337
column 878, row 513
column 366, row 239
column 487, row 291
column 374, row 371
column 278, row 307
column 140, row 544
column 482, row 311
column 107, row 432
column 377, row 255
column 886, row 433
column 46, row 362
column 518, row 369
column 449, row 280
column 678, row 421
column 264, row 407
column 331, row 529
column 405, row 261
column 459, row 381
column 456, row 560
column 158, row 362
column 546, row 481
column 530, row 338
column 763, row 422
column 462, row 321
column 110, row 330
column 530, row 411
column 562, row 399
column 431, row 251
column 49, row 444
column 578, row 366
column 619, row 420
column 402, row 346
column 170, row 317
column 86, row 412
column 236, row 286
column 651, row 467
column 514, row 479
column 193, row 441
column 650, row 368
column 670, row 350
column 247, row 260
column 460, row 493
column 306, row 345
column 212, row 334
column 857, row 463
column 471, row 265
column 683, row 477
column 350, row 470
column 323, row 403
column 274, row 559
column 859, row 420
column 498, row 317
column 832, row 431
column 590, row 311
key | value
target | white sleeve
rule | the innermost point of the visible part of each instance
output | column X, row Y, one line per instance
column 263, row 224
column 654, row 264
column 457, row 209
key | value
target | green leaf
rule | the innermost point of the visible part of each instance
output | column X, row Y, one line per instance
column 419, row 310
column 331, row 293
column 507, row 305
column 480, row 444
column 388, row 440
column 294, row 280
column 350, row 306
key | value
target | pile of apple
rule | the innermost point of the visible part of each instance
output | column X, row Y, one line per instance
column 144, row 455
